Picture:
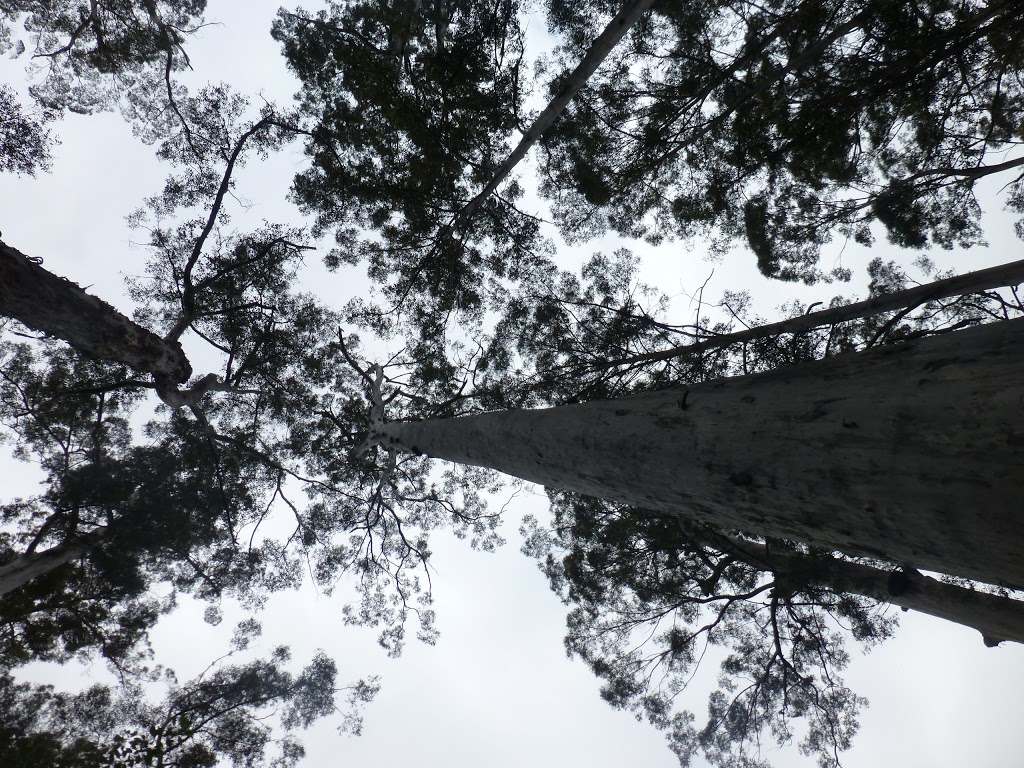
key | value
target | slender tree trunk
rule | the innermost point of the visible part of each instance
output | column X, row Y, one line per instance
column 997, row 618
column 910, row 453
column 56, row 306
column 603, row 44
column 24, row 568
column 400, row 31
column 972, row 282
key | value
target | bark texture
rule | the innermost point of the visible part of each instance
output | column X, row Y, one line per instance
column 24, row 568
column 56, row 306
column 997, row 618
column 911, row 453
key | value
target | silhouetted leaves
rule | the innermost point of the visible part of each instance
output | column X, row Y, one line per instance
column 789, row 123
column 226, row 715
column 408, row 109
column 25, row 140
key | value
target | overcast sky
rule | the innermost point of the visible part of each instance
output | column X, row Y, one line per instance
column 497, row 689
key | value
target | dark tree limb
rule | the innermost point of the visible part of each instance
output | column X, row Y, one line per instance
column 59, row 308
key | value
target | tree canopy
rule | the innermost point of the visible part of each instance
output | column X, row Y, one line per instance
column 783, row 125
column 101, row 56
column 219, row 717
column 223, row 441
column 407, row 110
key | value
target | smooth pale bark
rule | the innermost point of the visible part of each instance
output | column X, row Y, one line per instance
column 57, row 307
column 603, row 44
column 24, row 568
column 996, row 618
column 972, row 282
column 910, row 453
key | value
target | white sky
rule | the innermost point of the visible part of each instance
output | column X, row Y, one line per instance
column 497, row 689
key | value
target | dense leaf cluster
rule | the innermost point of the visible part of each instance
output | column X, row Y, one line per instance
column 784, row 124
column 778, row 123
column 25, row 140
column 408, row 109
column 104, row 54
column 223, row 716
column 150, row 488
column 652, row 598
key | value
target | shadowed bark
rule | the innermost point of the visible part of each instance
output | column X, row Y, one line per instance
column 24, row 568
column 57, row 307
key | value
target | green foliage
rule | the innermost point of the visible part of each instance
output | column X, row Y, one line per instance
column 825, row 117
column 244, row 714
column 181, row 500
column 785, row 124
column 104, row 54
column 554, row 335
column 649, row 597
column 408, row 108
column 24, row 139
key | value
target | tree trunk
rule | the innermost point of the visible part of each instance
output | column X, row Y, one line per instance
column 56, row 306
column 910, row 453
column 972, row 282
column 24, row 568
column 603, row 44
column 997, row 618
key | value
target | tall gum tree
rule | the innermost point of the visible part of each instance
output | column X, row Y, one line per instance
column 191, row 310
column 996, row 617
column 906, row 453
column 642, row 603
column 180, row 500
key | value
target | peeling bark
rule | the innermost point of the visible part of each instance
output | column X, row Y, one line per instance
column 910, row 453
column 57, row 307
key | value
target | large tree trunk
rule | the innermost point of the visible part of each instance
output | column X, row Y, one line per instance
column 973, row 282
column 911, row 453
column 56, row 306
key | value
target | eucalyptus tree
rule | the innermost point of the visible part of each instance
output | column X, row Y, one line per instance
column 104, row 55
column 801, row 453
column 184, row 501
column 243, row 713
column 785, row 124
column 409, row 107
column 283, row 406
column 650, row 592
